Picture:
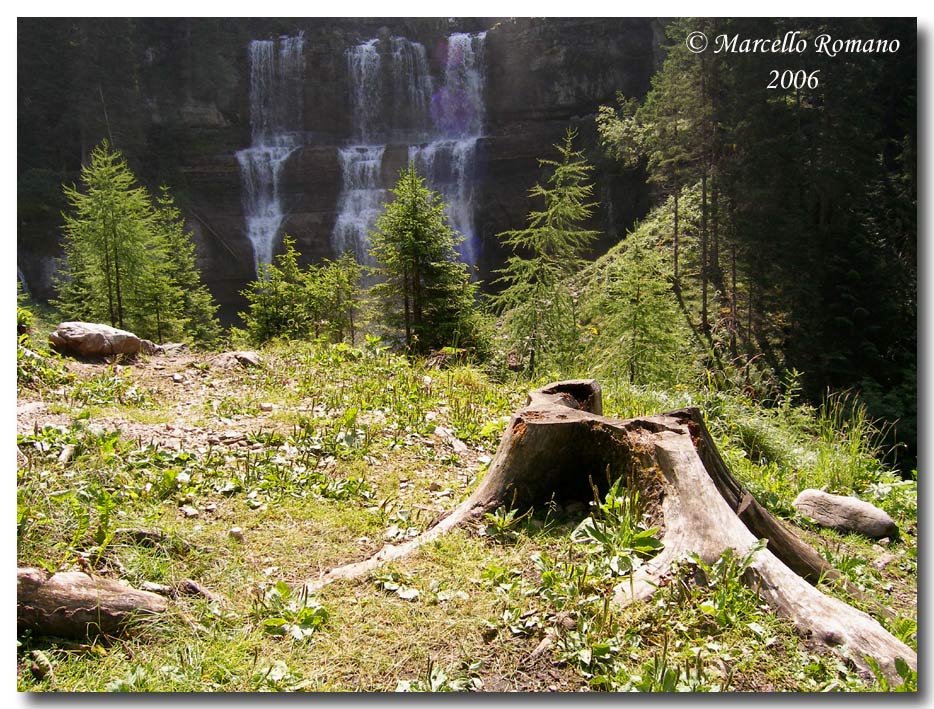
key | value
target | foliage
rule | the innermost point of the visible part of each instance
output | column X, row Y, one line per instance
column 437, row 679
column 811, row 265
column 283, row 613
column 616, row 531
column 25, row 318
column 502, row 523
column 640, row 334
column 127, row 262
column 288, row 301
column 540, row 307
column 909, row 676
column 424, row 292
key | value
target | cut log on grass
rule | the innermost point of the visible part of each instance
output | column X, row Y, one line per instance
column 560, row 445
column 75, row 604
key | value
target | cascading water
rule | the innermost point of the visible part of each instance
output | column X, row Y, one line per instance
column 393, row 100
column 391, row 91
column 448, row 162
column 24, row 289
column 277, row 70
column 361, row 199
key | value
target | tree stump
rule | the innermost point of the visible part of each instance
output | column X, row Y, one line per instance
column 75, row 604
column 559, row 445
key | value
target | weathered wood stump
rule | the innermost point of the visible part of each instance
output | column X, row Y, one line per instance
column 560, row 444
column 75, row 604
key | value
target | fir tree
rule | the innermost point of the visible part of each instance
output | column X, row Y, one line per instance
column 424, row 292
column 127, row 263
column 536, row 298
column 644, row 326
column 196, row 308
column 278, row 304
column 107, row 235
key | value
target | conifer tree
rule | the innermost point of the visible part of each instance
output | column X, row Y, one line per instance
column 196, row 308
column 536, row 298
column 646, row 329
column 424, row 292
column 106, row 238
column 127, row 263
column 278, row 305
column 336, row 296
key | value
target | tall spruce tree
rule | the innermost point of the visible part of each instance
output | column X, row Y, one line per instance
column 107, row 237
column 536, row 298
column 424, row 292
column 127, row 263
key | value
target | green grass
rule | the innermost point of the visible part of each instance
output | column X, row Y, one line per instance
column 347, row 461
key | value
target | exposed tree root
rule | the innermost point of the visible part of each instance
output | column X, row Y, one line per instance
column 560, row 444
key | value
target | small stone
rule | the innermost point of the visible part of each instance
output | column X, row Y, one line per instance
column 67, row 452
column 236, row 533
column 484, row 460
column 884, row 561
column 190, row 511
column 210, row 508
column 154, row 587
column 178, row 378
column 434, row 487
column 265, row 406
column 248, row 358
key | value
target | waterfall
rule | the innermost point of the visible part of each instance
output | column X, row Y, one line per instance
column 390, row 98
column 361, row 199
column 448, row 162
column 448, row 167
column 24, row 289
column 364, row 67
column 394, row 100
column 277, row 72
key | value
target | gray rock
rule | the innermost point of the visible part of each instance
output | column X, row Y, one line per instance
column 229, row 360
column 845, row 514
column 883, row 561
column 93, row 340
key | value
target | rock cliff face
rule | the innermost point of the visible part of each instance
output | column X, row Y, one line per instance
column 188, row 83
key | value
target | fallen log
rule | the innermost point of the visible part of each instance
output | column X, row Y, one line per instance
column 560, row 445
column 75, row 604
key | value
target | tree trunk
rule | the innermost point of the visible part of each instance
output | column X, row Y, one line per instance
column 676, row 282
column 75, row 604
column 704, row 271
column 560, row 445
column 734, row 324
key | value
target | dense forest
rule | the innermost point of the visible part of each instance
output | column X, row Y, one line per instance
column 807, row 211
column 355, row 440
